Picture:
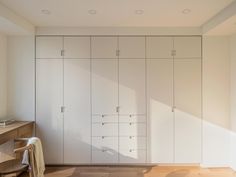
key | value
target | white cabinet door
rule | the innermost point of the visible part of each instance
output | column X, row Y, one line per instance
column 49, row 47
column 160, row 115
column 188, row 111
column 49, row 119
column 159, row 47
column 77, row 116
column 104, row 47
column 77, row 47
column 187, row 47
column 104, row 86
column 132, row 47
column 132, row 92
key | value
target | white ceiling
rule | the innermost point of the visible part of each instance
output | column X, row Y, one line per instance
column 157, row 13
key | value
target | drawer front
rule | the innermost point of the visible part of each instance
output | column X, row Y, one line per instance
column 105, row 142
column 132, row 118
column 104, row 156
column 104, row 129
column 132, row 142
column 132, row 129
column 104, row 118
column 25, row 131
column 132, row 156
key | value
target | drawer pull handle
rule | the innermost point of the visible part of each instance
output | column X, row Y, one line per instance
column 130, row 150
column 130, row 137
column 103, row 137
column 104, row 150
column 103, row 123
column 130, row 123
column 130, row 115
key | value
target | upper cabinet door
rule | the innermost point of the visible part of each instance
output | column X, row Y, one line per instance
column 187, row 47
column 132, row 47
column 161, row 117
column 159, row 47
column 132, row 92
column 104, row 47
column 104, row 86
column 77, row 116
column 77, row 47
column 187, row 111
column 49, row 119
column 49, row 47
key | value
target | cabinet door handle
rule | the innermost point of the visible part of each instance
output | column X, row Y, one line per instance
column 117, row 109
column 63, row 109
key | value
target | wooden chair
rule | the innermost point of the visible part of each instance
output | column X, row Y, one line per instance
column 15, row 166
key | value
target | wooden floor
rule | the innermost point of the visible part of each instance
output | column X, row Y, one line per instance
column 114, row 171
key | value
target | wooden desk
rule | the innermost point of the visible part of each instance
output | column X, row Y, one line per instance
column 18, row 129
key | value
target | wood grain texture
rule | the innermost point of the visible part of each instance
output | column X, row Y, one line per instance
column 131, row 171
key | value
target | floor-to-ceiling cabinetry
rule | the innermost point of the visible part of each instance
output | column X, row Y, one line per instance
column 174, row 99
column 119, row 99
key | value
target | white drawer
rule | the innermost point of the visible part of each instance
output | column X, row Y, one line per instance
column 132, row 129
column 104, row 129
column 132, row 142
column 105, row 142
column 132, row 156
column 104, row 118
column 104, row 156
column 132, row 118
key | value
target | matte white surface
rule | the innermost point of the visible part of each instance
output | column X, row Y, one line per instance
column 49, row 47
column 132, row 47
column 104, row 118
column 187, row 138
column 49, row 119
column 105, row 129
column 104, row 86
column 104, row 47
column 21, row 77
column 77, row 115
column 132, row 92
column 188, row 121
column 132, row 142
column 132, row 156
column 77, row 47
column 132, row 118
column 132, row 129
column 104, row 156
column 160, row 115
column 188, row 47
column 159, row 47
column 104, row 142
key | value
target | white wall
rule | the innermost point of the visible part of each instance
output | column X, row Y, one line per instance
column 21, row 73
column 216, row 101
column 3, row 75
column 233, row 100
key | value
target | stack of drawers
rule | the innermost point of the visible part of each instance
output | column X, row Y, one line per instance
column 118, row 139
column 132, row 138
column 105, row 133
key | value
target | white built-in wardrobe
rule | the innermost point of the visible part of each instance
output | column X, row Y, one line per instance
column 119, row 99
